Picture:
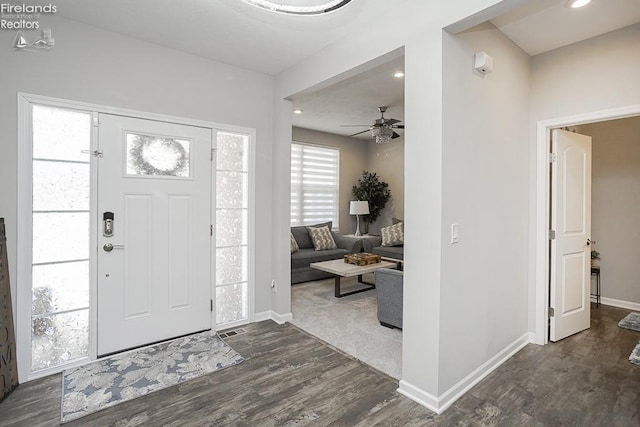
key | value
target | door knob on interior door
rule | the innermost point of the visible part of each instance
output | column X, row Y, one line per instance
column 588, row 242
column 108, row 247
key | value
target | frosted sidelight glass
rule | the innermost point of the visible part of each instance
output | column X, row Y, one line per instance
column 231, row 265
column 60, row 237
column 232, row 152
column 231, row 190
column 60, row 287
column 61, row 134
column 60, row 186
column 59, row 339
column 232, row 227
column 231, row 303
column 158, row 156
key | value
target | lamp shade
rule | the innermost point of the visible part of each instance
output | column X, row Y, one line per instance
column 359, row 207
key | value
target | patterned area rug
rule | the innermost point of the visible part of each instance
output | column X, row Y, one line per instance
column 106, row 383
column 631, row 321
column 635, row 356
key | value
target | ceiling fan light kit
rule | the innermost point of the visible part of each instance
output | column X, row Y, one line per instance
column 382, row 129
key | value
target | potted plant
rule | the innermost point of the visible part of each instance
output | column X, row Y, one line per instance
column 376, row 192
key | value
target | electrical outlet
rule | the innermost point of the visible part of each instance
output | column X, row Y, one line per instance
column 274, row 287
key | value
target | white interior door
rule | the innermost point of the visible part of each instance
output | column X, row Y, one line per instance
column 571, row 220
column 154, row 272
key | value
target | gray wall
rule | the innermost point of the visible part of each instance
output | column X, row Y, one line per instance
column 485, row 178
column 615, row 205
column 387, row 160
column 596, row 74
column 91, row 65
column 353, row 155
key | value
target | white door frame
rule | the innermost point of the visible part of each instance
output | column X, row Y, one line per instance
column 23, row 232
column 541, row 261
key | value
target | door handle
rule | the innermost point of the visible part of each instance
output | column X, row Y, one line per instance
column 108, row 247
column 588, row 242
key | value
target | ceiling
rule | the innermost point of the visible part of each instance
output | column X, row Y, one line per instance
column 228, row 31
column 235, row 33
column 544, row 25
column 354, row 101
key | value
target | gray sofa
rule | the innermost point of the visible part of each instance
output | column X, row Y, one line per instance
column 389, row 284
column 301, row 259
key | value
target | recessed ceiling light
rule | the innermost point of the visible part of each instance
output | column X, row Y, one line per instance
column 298, row 7
column 398, row 74
column 577, row 3
column 297, row 111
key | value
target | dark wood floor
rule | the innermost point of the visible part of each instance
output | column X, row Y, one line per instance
column 290, row 378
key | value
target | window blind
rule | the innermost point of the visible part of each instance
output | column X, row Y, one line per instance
column 314, row 184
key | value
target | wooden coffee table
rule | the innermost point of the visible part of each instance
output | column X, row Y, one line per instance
column 340, row 269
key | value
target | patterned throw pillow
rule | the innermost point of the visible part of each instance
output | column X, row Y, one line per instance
column 393, row 235
column 322, row 238
column 294, row 244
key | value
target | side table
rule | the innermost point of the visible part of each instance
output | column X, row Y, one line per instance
column 595, row 271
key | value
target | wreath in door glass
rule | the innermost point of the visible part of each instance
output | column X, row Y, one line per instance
column 153, row 155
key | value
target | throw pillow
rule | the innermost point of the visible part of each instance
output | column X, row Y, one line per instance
column 294, row 244
column 301, row 234
column 393, row 235
column 322, row 238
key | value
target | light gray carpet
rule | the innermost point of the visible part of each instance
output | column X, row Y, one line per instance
column 349, row 323
column 107, row 382
column 631, row 321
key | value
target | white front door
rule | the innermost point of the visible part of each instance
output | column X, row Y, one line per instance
column 154, row 271
column 571, row 220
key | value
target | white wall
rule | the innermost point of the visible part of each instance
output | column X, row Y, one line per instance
column 596, row 74
column 485, row 182
column 353, row 158
column 419, row 38
column 92, row 65
column 387, row 160
column 615, row 205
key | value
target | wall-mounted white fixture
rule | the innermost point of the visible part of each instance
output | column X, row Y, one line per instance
column 482, row 62
column 574, row 4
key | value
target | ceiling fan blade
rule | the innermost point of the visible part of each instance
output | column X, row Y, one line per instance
column 398, row 126
column 395, row 135
column 392, row 121
column 348, row 126
column 360, row 132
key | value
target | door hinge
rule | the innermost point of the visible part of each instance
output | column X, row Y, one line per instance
column 552, row 234
column 211, row 305
column 95, row 122
column 211, row 230
column 213, row 154
column 552, row 157
column 552, row 312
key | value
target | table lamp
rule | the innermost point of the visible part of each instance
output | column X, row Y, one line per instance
column 357, row 208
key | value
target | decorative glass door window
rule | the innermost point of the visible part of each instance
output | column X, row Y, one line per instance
column 60, row 236
column 158, row 156
column 232, row 228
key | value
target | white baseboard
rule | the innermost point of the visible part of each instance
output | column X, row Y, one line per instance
column 619, row 303
column 281, row 318
column 533, row 340
column 441, row 403
column 418, row 395
column 262, row 316
column 272, row 315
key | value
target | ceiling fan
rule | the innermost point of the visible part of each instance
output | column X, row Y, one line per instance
column 382, row 129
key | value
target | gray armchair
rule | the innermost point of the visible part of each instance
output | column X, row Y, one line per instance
column 389, row 285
